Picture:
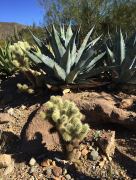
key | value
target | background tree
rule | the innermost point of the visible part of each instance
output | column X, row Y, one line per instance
column 105, row 14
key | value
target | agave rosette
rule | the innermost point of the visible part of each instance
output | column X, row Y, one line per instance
column 65, row 63
column 122, row 53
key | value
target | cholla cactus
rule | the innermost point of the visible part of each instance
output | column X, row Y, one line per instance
column 17, row 48
column 25, row 88
column 19, row 57
column 22, row 63
column 67, row 118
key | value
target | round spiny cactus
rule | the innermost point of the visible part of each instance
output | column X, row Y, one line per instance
column 77, row 127
column 63, row 119
column 16, row 63
column 84, row 131
column 67, row 137
column 30, row 91
column 25, row 88
column 66, row 104
column 56, row 115
column 42, row 115
column 49, row 105
column 67, row 117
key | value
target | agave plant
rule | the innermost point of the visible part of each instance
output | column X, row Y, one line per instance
column 65, row 62
column 122, row 53
column 6, row 65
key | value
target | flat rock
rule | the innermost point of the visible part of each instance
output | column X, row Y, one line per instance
column 5, row 118
column 5, row 160
column 39, row 135
column 57, row 171
column 100, row 108
column 126, row 103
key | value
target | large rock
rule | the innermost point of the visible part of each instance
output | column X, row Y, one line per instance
column 39, row 135
column 102, row 108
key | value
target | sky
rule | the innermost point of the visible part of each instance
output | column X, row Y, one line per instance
column 21, row 11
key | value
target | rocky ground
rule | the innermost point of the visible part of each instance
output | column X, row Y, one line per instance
column 108, row 152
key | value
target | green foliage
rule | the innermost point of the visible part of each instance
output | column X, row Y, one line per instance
column 122, row 53
column 67, row 62
column 2, row 43
column 105, row 14
column 6, row 65
column 26, row 36
column 67, row 118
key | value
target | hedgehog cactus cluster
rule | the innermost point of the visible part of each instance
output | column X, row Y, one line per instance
column 67, row 118
column 25, row 88
column 18, row 53
column 19, row 47
column 21, row 61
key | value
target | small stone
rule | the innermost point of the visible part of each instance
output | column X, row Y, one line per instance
column 107, row 143
column 32, row 178
column 65, row 171
column 5, row 160
column 56, row 178
column 23, row 107
column 68, row 177
column 53, row 163
column 126, row 103
column 48, row 172
column 45, row 163
column 9, row 169
column 57, row 171
column 32, row 162
column 94, row 155
column 90, row 147
column 32, row 170
column 93, row 168
column 10, row 111
column 84, row 152
column 63, row 178
column 81, row 147
column 77, row 154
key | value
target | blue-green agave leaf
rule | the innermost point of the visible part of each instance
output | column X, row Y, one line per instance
column 90, row 63
column 67, row 59
column 33, row 57
column 72, row 76
column 59, row 72
column 83, row 46
column 69, row 35
column 57, row 45
column 42, row 46
column 62, row 32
